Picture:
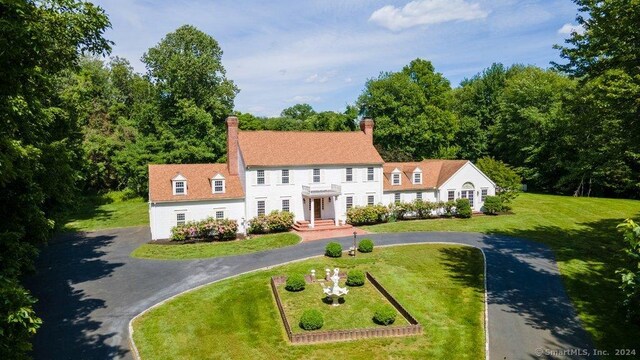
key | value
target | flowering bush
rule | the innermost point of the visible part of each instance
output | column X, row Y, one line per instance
column 371, row 214
column 207, row 229
column 275, row 221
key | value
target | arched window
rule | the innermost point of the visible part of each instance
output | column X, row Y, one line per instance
column 467, row 192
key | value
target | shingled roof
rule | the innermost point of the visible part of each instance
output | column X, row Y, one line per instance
column 198, row 182
column 435, row 172
column 296, row 148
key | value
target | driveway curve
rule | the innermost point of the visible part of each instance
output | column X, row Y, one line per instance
column 89, row 288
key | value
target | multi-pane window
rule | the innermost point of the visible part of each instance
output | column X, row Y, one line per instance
column 370, row 200
column 395, row 179
column 349, row 176
column 219, row 214
column 285, row 205
column 322, row 203
column 396, row 197
column 179, row 187
column 218, row 186
column 180, row 218
column 261, row 207
column 316, row 175
column 349, row 202
column 370, row 174
column 451, row 195
column 483, row 194
column 417, row 178
column 467, row 194
column 260, row 177
column 285, row 176
column 419, row 195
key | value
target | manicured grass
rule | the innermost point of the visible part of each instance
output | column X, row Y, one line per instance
column 582, row 233
column 215, row 249
column 355, row 313
column 442, row 286
column 111, row 210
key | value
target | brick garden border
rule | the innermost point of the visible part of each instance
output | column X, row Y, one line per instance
column 414, row 328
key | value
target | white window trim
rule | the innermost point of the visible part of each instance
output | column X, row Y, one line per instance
column 288, row 177
column 224, row 186
column 181, row 212
column 421, row 197
column 454, row 194
column 319, row 176
column 414, row 177
column 265, row 205
column 393, row 179
column 483, row 197
column 374, row 199
column 398, row 196
column 215, row 213
column 282, row 203
column 264, row 178
column 373, row 173
column 175, row 182
column 346, row 175
column 346, row 203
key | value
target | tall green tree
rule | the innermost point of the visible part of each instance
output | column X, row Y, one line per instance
column 411, row 110
column 298, row 112
column 39, row 141
column 605, row 58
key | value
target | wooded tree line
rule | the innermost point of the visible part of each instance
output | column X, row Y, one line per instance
column 74, row 122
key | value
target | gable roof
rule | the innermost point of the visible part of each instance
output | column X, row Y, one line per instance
column 198, row 177
column 296, row 148
column 435, row 172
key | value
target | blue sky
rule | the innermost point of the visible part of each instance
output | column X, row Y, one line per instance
column 280, row 53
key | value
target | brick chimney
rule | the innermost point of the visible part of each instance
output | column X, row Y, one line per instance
column 366, row 125
column 232, row 145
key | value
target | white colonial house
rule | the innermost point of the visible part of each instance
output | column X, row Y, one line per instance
column 315, row 175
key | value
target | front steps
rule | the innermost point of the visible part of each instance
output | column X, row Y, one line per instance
column 320, row 224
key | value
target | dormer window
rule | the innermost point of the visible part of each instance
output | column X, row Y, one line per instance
column 218, row 184
column 179, row 184
column 396, row 177
column 179, row 188
column 417, row 178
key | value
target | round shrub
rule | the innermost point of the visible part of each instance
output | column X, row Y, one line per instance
column 311, row 320
column 463, row 208
column 365, row 246
column 333, row 249
column 355, row 278
column 492, row 205
column 295, row 282
column 385, row 315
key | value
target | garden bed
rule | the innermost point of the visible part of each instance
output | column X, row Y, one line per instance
column 351, row 320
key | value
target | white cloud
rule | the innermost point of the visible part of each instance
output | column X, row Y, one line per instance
column 424, row 12
column 304, row 99
column 568, row 29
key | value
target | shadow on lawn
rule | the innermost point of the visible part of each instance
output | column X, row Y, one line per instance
column 87, row 207
column 590, row 255
column 64, row 268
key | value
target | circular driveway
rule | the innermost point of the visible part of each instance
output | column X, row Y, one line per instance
column 89, row 288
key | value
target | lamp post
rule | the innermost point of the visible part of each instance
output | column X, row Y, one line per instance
column 354, row 243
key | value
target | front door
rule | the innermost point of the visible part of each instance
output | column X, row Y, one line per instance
column 317, row 214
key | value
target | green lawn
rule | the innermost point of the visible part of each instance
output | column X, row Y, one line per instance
column 582, row 233
column 355, row 313
column 215, row 249
column 111, row 210
column 442, row 286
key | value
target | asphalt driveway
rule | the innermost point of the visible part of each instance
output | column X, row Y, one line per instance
column 89, row 288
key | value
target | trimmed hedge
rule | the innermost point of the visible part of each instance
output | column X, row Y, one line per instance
column 311, row 320
column 295, row 283
column 355, row 278
column 385, row 315
column 333, row 250
column 207, row 229
column 492, row 205
column 365, row 246
column 463, row 208
column 367, row 215
column 275, row 221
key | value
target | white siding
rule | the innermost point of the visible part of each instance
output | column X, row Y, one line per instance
column 273, row 191
column 163, row 215
column 408, row 196
column 468, row 173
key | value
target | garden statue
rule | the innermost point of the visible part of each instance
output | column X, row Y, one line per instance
column 335, row 292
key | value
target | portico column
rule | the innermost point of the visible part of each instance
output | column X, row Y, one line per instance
column 313, row 212
column 335, row 210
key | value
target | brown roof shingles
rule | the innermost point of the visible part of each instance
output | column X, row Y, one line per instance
column 295, row 148
column 435, row 172
column 198, row 182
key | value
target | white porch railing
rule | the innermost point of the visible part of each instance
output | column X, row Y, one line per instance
column 321, row 190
